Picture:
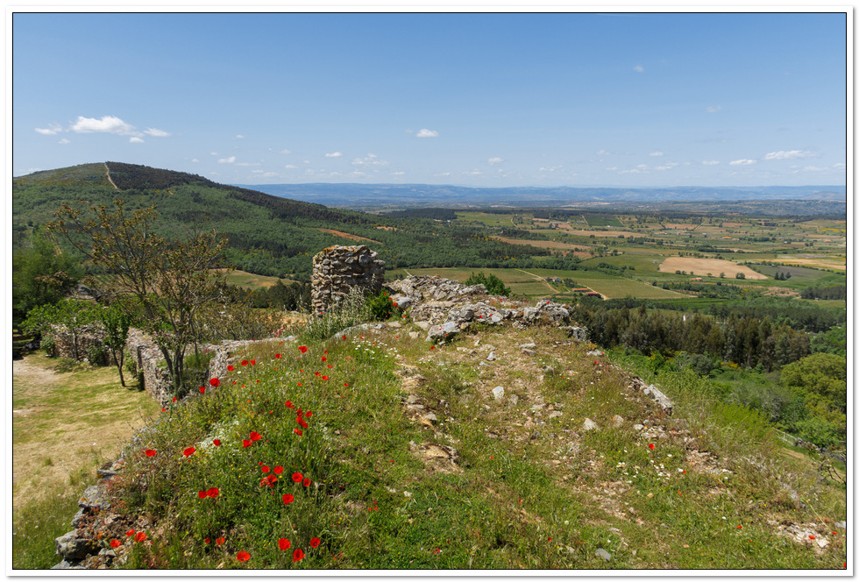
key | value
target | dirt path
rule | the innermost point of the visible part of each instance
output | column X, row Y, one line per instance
column 539, row 278
column 109, row 179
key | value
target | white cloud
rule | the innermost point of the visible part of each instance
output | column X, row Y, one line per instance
column 154, row 132
column 713, row 108
column 135, row 139
column 427, row 133
column 788, row 155
column 334, row 155
column 107, row 124
column 64, row 141
column 474, row 172
column 710, row 162
column 248, row 164
column 398, row 173
column 494, row 161
column 743, row 162
column 290, row 166
column 603, row 153
column 611, row 169
column 285, row 152
column 656, row 154
column 813, row 169
column 638, row 69
column 229, row 160
column 239, row 136
column 195, row 161
column 667, row 166
column 369, row 160
column 213, row 153
column 53, row 129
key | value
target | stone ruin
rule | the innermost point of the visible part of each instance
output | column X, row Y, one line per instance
column 85, row 342
column 337, row 270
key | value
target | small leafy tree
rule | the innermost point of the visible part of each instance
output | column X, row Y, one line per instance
column 116, row 323
column 69, row 313
column 494, row 285
column 41, row 273
column 171, row 281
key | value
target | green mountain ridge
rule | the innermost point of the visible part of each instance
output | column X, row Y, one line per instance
column 267, row 234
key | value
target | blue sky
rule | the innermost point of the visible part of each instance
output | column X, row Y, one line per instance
column 470, row 99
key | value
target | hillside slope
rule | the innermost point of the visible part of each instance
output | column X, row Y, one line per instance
column 375, row 450
column 267, row 234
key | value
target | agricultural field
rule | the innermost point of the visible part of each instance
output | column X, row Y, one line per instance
column 251, row 280
column 710, row 267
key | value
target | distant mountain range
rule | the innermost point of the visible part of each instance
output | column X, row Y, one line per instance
column 393, row 196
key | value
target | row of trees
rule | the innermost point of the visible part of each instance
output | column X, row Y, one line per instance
column 747, row 341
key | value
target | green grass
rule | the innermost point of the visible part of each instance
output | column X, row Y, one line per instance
column 70, row 419
column 598, row 220
column 521, row 494
column 253, row 281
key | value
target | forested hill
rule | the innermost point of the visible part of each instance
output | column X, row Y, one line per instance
column 267, row 234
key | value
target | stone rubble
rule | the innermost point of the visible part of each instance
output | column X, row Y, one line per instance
column 339, row 269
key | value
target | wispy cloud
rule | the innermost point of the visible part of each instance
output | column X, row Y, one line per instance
column 638, row 69
column 229, row 160
column 743, row 162
column 52, row 129
column 239, row 136
column 286, row 152
column 710, row 162
column 713, row 108
column 656, row 154
column 789, row 155
column 135, row 139
column 334, row 155
column 369, row 160
column 603, row 153
column 494, row 161
column 426, row 133
column 155, row 132
column 64, row 141
column 667, row 166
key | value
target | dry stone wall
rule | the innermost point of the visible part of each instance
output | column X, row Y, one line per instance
column 339, row 269
column 80, row 343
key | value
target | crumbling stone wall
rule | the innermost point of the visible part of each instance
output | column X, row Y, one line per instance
column 81, row 343
column 150, row 365
column 339, row 269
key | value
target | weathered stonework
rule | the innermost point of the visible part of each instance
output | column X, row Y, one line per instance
column 150, row 365
column 80, row 343
column 339, row 269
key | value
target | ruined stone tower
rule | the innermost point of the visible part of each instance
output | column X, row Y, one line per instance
column 338, row 269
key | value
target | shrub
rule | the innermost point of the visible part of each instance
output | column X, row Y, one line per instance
column 381, row 307
column 494, row 285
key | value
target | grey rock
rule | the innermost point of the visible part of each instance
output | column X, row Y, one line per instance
column 73, row 548
column 414, row 335
column 638, row 426
column 412, row 399
column 601, row 553
column 555, row 414
column 841, row 524
column 491, row 356
column 588, row 425
column 596, row 353
column 617, row 420
column 528, row 346
column 498, row 392
column 660, row 398
column 528, row 352
column 431, row 417
column 445, row 331
column 94, row 497
column 514, row 400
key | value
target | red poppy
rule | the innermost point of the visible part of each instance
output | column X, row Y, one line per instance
column 163, row 409
column 265, row 468
column 278, row 470
column 811, row 537
column 301, row 422
column 202, row 389
column 297, row 555
column 141, row 536
column 306, row 482
column 297, row 477
column 315, row 373
column 217, row 442
column 243, row 556
column 220, row 541
column 343, row 337
column 284, row 544
column 175, row 399
column 345, row 384
column 288, row 498
column 651, row 446
column 253, row 362
column 302, row 349
column 189, row 451
column 740, row 526
column 150, row 452
column 207, row 541
column 308, row 414
column 129, row 533
column 230, row 368
column 246, row 443
column 314, row 542
column 244, row 362
column 432, row 347
column 115, row 543
column 214, row 382
column 324, row 377
column 300, row 384
column 213, row 492
column 298, row 431
column 277, row 356
column 324, row 359
column 201, row 494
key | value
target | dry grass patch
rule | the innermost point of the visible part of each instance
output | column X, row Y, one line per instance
column 540, row 244
column 347, row 235
column 702, row 267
